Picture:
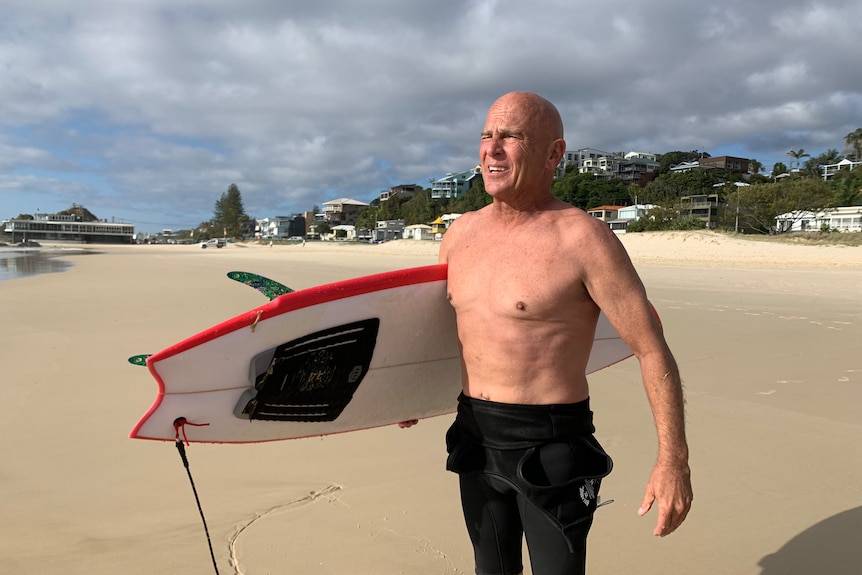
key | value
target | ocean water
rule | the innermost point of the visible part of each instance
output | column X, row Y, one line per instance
column 19, row 264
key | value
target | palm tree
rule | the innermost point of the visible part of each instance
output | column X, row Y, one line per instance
column 854, row 141
column 798, row 155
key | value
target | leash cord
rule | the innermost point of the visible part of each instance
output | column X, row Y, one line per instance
column 179, row 424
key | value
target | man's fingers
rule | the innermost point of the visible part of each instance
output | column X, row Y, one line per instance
column 646, row 503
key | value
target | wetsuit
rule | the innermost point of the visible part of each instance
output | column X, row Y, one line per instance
column 531, row 470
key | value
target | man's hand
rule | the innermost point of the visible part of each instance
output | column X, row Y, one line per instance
column 408, row 423
column 670, row 485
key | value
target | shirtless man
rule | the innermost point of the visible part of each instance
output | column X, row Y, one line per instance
column 528, row 275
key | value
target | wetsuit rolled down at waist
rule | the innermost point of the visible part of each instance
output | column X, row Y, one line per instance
column 547, row 453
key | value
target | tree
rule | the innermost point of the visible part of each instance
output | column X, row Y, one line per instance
column 229, row 215
column 797, row 155
column 778, row 168
column 758, row 205
column 847, row 187
column 854, row 142
column 754, row 166
column 476, row 198
column 812, row 165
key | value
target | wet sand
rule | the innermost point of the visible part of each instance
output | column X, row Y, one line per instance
column 767, row 337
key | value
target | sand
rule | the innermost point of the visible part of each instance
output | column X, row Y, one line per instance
column 768, row 340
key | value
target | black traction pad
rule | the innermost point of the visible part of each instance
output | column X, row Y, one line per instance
column 311, row 378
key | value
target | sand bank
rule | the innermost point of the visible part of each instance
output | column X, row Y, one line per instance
column 767, row 337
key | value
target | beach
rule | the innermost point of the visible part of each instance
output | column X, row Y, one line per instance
column 767, row 337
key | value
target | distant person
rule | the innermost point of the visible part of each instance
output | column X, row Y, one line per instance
column 528, row 276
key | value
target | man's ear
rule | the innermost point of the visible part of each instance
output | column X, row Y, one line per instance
column 555, row 152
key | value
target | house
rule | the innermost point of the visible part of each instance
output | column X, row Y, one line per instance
column 403, row 191
column 419, row 232
column 280, row 227
column 637, row 167
column 732, row 164
column 388, row 230
column 343, row 211
column 701, row 206
column 683, row 167
column 830, row 170
column 454, row 185
column 344, row 231
column 796, row 221
column 842, row 219
column 626, row 215
column 605, row 213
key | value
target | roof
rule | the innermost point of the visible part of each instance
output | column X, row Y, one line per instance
column 606, row 208
column 344, row 201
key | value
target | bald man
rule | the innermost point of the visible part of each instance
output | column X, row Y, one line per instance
column 528, row 276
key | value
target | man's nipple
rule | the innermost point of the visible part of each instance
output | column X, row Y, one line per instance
column 521, row 306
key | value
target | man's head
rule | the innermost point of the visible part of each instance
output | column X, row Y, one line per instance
column 522, row 144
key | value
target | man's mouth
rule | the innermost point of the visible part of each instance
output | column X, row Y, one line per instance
column 496, row 169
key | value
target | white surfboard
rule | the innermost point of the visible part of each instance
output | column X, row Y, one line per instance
column 350, row 355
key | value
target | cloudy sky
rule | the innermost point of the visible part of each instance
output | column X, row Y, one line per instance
column 146, row 111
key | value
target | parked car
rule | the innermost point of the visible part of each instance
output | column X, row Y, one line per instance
column 213, row 243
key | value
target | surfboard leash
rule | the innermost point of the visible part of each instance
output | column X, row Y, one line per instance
column 181, row 442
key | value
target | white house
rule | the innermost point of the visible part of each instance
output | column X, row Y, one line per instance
column 419, row 232
column 796, row 221
column 626, row 215
column 343, row 231
column 842, row 219
column 830, row 170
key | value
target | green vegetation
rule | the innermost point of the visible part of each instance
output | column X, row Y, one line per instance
column 229, row 218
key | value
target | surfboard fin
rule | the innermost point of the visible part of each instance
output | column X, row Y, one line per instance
column 139, row 359
column 270, row 288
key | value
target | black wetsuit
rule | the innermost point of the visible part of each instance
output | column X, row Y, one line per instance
column 531, row 470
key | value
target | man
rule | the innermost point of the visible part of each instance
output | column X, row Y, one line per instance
column 528, row 275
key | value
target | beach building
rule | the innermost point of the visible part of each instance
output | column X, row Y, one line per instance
column 605, row 213
column 388, row 230
column 419, row 232
column 731, row 164
column 453, row 186
column 796, row 221
column 842, row 219
column 280, row 227
column 830, row 170
column 626, row 215
column 343, row 211
column 68, row 228
column 637, row 167
column 405, row 191
column 701, row 206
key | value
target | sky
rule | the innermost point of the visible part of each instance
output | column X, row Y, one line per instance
column 146, row 111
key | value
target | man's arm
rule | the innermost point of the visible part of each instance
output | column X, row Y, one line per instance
column 616, row 288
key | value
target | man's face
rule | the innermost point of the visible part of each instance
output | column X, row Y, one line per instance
column 513, row 149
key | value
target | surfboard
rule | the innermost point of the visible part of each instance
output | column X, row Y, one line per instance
column 350, row 355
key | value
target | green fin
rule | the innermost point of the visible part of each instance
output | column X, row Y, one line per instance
column 139, row 359
column 270, row 288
